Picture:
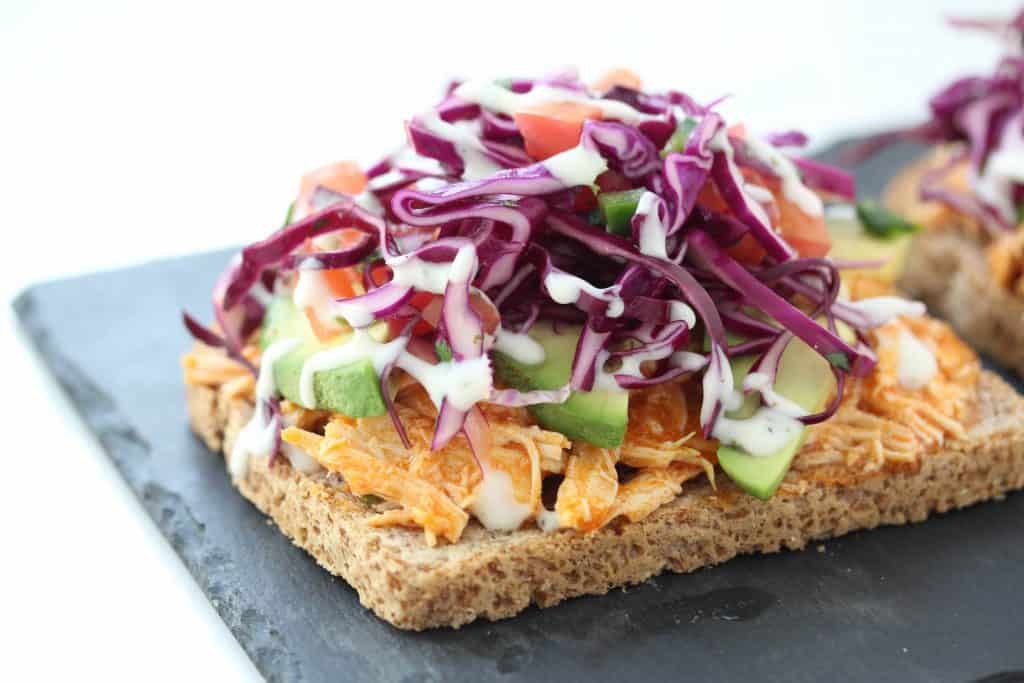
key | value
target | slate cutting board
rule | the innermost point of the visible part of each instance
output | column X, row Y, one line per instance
column 939, row 601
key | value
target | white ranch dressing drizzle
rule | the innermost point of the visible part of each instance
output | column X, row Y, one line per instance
column 882, row 309
column 464, row 383
column 360, row 346
column 492, row 96
column 519, row 346
column 463, row 135
column 1004, row 167
column 604, row 380
column 718, row 386
column 263, row 295
column 688, row 360
column 386, row 179
column 407, row 158
column 431, row 277
column 916, row 362
column 257, row 436
column 564, row 288
column 300, row 460
column 429, row 184
column 678, row 311
column 367, row 200
column 547, row 520
column 792, row 185
column 311, row 291
column 577, row 166
column 494, row 501
column 761, row 382
column 630, row 364
column 720, row 143
column 652, row 232
column 764, row 433
column 759, row 193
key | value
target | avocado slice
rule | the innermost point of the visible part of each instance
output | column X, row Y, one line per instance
column 850, row 241
column 598, row 417
column 352, row 389
column 805, row 378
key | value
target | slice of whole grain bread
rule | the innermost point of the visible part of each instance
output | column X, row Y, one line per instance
column 494, row 575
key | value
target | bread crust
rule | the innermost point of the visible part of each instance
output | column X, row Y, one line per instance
column 949, row 272
column 494, row 575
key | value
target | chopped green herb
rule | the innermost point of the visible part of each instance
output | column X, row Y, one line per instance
column 288, row 216
column 444, row 352
column 839, row 360
column 882, row 223
column 371, row 499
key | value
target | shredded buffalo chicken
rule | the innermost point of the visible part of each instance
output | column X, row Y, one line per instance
column 881, row 427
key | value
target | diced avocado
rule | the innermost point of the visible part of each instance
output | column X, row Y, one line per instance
column 618, row 209
column 598, row 417
column 851, row 242
column 352, row 389
column 805, row 378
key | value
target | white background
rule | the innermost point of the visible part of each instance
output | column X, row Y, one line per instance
column 131, row 131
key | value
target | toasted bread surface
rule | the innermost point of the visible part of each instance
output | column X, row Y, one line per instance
column 494, row 575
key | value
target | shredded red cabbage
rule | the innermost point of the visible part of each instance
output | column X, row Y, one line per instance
column 983, row 116
column 495, row 253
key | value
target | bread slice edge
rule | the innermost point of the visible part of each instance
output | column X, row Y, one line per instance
column 494, row 575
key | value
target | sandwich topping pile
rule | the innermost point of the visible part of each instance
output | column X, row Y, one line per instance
column 974, row 179
column 557, row 303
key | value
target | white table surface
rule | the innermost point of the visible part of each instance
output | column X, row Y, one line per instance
column 131, row 131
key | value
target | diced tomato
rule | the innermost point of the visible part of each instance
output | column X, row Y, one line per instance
column 323, row 331
column 747, row 250
column 483, row 307
column 343, row 176
column 552, row 127
column 619, row 76
column 807, row 234
column 345, row 282
column 711, row 200
column 423, row 299
column 380, row 274
column 613, row 181
column 738, row 130
column 430, row 304
column 342, row 281
column 585, row 200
